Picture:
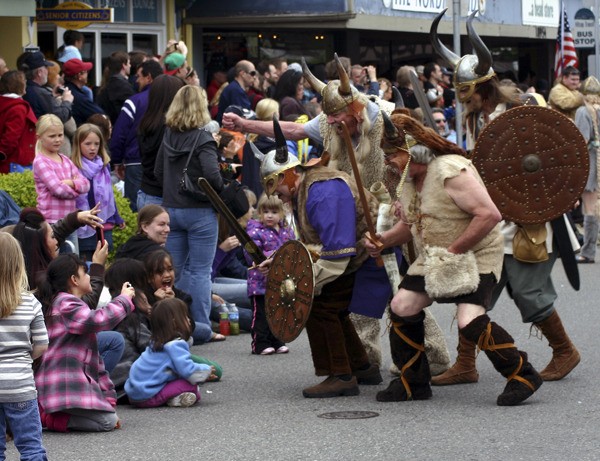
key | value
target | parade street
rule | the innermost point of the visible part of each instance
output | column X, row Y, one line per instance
column 257, row 412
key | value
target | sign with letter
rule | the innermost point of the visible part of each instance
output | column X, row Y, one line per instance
column 73, row 15
column 583, row 29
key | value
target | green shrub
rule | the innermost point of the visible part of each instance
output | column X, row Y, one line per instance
column 21, row 187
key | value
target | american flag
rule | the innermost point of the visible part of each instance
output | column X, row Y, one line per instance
column 565, row 47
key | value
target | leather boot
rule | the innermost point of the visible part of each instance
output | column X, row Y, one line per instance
column 565, row 356
column 407, row 338
column 522, row 379
column 333, row 386
column 463, row 371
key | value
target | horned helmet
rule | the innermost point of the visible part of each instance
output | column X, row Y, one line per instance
column 469, row 70
column 278, row 161
column 337, row 94
column 403, row 132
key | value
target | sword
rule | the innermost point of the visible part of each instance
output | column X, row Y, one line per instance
column 361, row 190
column 422, row 100
column 255, row 253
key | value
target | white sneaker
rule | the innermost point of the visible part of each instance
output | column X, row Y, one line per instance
column 268, row 351
column 185, row 399
column 282, row 350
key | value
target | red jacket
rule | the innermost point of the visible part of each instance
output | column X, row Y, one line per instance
column 17, row 133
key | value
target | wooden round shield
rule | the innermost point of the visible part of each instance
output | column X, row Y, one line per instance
column 290, row 288
column 534, row 163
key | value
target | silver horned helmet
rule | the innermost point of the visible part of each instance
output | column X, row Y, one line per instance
column 337, row 94
column 277, row 161
column 469, row 70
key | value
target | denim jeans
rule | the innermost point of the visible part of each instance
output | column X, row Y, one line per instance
column 232, row 290
column 144, row 199
column 24, row 420
column 192, row 243
column 110, row 347
column 133, row 179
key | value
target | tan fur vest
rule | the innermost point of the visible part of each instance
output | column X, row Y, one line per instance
column 310, row 236
column 437, row 221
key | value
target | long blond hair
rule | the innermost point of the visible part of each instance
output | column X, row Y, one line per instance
column 13, row 276
column 189, row 109
column 81, row 135
column 44, row 123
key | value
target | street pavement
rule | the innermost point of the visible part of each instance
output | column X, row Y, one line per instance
column 257, row 411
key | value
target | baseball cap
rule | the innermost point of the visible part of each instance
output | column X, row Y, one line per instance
column 74, row 66
column 34, row 60
column 173, row 62
column 446, row 71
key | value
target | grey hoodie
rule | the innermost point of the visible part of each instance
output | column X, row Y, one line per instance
column 171, row 159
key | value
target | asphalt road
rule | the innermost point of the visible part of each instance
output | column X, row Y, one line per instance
column 257, row 411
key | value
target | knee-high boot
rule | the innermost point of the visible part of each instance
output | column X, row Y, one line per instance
column 407, row 337
column 565, row 356
column 463, row 371
column 523, row 379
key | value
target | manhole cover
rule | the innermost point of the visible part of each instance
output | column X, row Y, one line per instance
column 349, row 415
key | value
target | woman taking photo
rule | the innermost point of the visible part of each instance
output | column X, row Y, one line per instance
column 193, row 238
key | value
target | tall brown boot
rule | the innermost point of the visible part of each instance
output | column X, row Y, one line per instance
column 463, row 371
column 565, row 356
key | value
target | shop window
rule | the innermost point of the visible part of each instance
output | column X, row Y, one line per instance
column 145, row 42
column 131, row 10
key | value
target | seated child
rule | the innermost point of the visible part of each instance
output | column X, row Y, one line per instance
column 165, row 372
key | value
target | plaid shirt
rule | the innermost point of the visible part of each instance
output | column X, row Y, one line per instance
column 72, row 373
column 55, row 200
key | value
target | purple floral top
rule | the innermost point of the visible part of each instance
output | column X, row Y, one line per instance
column 268, row 240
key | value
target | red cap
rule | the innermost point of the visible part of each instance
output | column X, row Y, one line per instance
column 74, row 66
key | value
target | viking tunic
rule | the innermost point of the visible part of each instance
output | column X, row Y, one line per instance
column 331, row 216
column 435, row 219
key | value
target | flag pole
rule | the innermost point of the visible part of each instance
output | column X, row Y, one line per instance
column 597, row 37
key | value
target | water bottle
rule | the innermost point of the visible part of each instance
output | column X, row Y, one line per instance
column 224, row 326
column 234, row 319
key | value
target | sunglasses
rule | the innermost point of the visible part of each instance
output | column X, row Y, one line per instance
column 252, row 73
column 441, row 120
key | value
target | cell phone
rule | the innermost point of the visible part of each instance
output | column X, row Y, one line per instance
column 100, row 234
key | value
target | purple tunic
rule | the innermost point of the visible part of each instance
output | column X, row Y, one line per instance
column 331, row 211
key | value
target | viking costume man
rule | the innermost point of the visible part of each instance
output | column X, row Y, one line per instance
column 331, row 218
column 362, row 115
column 453, row 222
column 530, row 284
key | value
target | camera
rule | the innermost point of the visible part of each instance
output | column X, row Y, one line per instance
column 60, row 89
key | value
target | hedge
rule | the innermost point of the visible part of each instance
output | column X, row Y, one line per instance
column 21, row 188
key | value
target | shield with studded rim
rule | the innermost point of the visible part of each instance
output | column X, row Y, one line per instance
column 534, row 163
column 289, row 293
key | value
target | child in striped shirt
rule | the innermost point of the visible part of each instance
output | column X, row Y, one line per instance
column 23, row 338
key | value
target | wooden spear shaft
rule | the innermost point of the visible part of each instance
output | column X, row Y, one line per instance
column 361, row 191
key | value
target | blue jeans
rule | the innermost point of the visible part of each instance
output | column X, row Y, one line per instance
column 202, row 333
column 232, row 290
column 144, row 199
column 192, row 243
column 24, row 420
column 110, row 347
column 133, row 179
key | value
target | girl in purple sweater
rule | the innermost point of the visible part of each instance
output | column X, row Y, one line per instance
column 269, row 232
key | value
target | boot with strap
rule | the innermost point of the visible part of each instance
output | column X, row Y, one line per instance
column 522, row 379
column 464, row 370
column 407, row 337
column 565, row 356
